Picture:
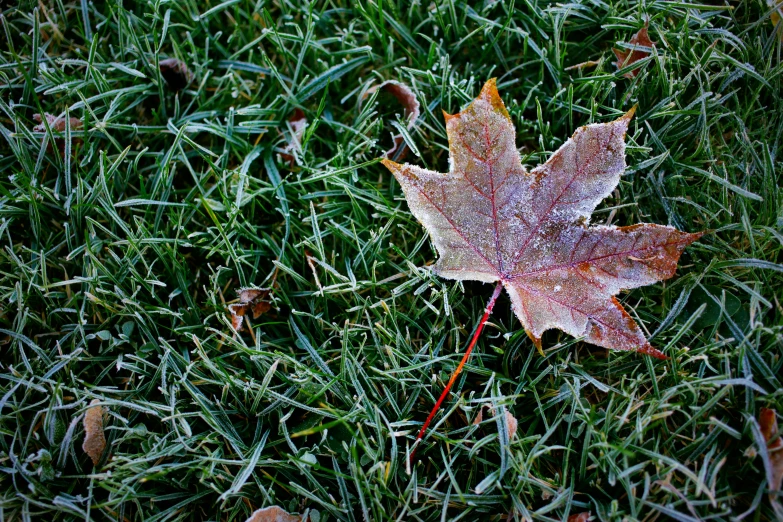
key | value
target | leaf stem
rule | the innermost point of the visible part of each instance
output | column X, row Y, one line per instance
column 476, row 334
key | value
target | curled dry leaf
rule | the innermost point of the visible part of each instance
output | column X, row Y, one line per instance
column 94, row 440
column 410, row 105
column 56, row 123
column 628, row 57
column 297, row 122
column 579, row 517
column 492, row 221
column 176, row 73
column 253, row 300
column 273, row 514
column 768, row 423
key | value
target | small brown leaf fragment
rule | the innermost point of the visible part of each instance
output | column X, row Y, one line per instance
column 94, row 440
column 511, row 421
column 176, row 73
column 579, row 517
column 493, row 221
column 627, row 57
column 410, row 105
column 56, row 123
column 297, row 122
column 511, row 425
column 775, row 16
column 273, row 514
column 253, row 300
column 768, row 423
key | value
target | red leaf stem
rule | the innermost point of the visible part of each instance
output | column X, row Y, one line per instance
column 476, row 334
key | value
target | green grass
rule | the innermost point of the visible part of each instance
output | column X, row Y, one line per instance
column 123, row 242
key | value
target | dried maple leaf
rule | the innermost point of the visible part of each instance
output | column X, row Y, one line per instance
column 768, row 423
column 253, row 300
column 94, row 440
column 626, row 57
column 273, row 514
column 492, row 221
column 579, row 517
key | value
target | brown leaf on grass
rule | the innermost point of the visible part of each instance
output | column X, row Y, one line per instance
column 176, row 73
column 273, row 514
column 627, row 57
column 297, row 123
column 768, row 423
column 94, row 440
column 511, row 425
column 579, row 517
column 511, row 421
column 56, row 123
column 492, row 221
column 775, row 16
column 410, row 105
column 252, row 300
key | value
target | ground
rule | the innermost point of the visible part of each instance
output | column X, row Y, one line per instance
column 127, row 232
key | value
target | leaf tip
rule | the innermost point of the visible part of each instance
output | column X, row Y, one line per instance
column 393, row 166
column 448, row 117
column 536, row 341
column 489, row 93
column 648, row 349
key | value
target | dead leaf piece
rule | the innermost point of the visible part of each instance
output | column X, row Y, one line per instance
column 768, row 423
column 511, row 425
column 176, row 73
column 253, row 300
column 511, row 421
column 626, row 57
column 298, row 122
column 94, row 439
column 492, row 221
column 273, row 514
column 56, row 123
column 775, row 16
column 409, row 103
column 579, row 517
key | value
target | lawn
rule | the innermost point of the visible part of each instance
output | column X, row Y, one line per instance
column 128, row 230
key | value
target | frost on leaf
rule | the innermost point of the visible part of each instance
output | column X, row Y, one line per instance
column 490, row 220
column 628, row 57
column 94, row 439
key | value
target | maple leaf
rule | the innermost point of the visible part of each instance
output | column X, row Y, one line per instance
column 625, row 58
column 492, row 221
